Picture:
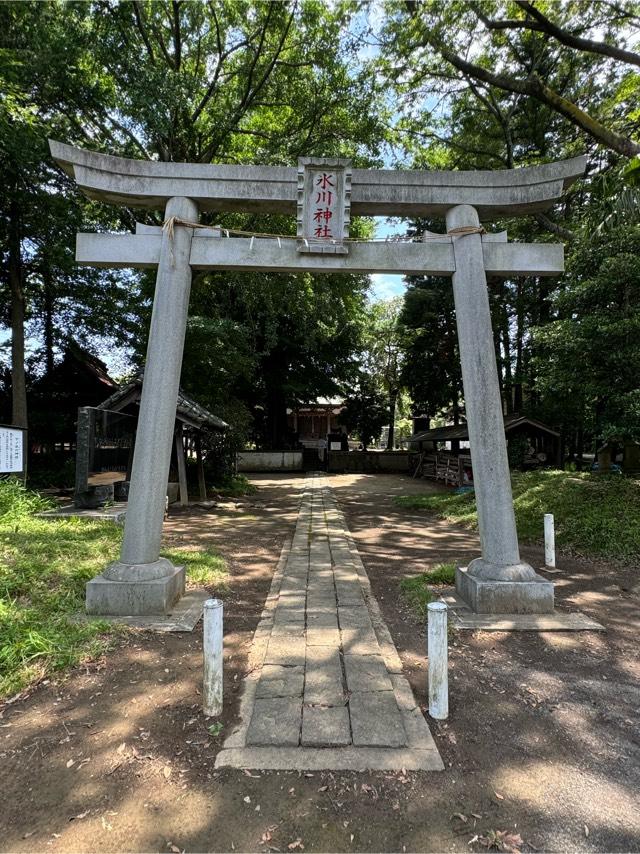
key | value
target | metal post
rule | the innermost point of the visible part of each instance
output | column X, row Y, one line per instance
column 438, row 660
column 549, row 541
column 212, row 647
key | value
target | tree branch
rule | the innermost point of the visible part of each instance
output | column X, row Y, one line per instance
column 553, row 227
column 576, row 42
column 533, row 86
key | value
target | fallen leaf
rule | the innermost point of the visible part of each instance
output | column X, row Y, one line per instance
column 247, row 799
column 122, row 747
column 460, row 816
column 175, row 849
column 71, row 762
column 499, row 796
column 323, row 788
column 586, row 830
column 297, row 843
column 167, row 772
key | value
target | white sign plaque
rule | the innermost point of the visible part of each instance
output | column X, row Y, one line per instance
column 11, row 450
column 324, row 204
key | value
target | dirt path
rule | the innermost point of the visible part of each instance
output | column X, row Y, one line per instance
column 542, row 739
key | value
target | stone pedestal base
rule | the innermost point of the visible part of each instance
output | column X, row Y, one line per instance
column 505, row 597
column 136, row 597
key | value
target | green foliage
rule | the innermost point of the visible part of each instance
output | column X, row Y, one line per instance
column 589, row 357
column 17, row 503
column 595, row 515
column 234, row 486
column 44, row 566
column 417, row 589
column 365, row 412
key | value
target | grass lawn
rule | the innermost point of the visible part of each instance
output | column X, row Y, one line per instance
column 596, row 515
column 417, row 589
column 44, row 565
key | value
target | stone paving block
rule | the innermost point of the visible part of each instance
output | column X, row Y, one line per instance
column 323, row 636
column 322, row 619
column 323, row 677
column 376, row 720
column 417, row 729
column 355, row 618
column 350, row 599
column 404, row 695
column 321, row 601
column 292, row 599
column 288, row 629
column 275, row 721
column 277, row 681
column 288, row 615
column 325, row 727
column 366, row 673
column 360, row 641
column 292, row 585
column 285, row 651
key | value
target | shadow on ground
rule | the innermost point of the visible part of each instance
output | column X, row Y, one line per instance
column 542, row 739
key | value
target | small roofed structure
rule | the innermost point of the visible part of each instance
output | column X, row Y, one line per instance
column 106, row 440
column 445, row 453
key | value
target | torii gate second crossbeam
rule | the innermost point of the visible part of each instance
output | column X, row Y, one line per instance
column 142, row 583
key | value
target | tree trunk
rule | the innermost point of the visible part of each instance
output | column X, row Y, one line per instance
column 393, row 397
column 18, row 379
column 517, row 396
column 48, row 318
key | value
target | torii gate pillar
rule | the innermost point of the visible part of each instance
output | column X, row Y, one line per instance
column 498, row 582
column 143, row 583
column 153, row 584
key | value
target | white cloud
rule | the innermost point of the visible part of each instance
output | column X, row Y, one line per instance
column 385, row 286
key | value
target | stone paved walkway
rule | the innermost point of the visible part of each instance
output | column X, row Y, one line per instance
column 327, row 690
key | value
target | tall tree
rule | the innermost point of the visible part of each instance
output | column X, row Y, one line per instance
column 546, row 52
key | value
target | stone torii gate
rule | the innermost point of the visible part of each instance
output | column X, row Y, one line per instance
column 143, row 583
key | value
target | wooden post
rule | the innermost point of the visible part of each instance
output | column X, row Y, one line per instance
column 202, row 486
column 182, row 467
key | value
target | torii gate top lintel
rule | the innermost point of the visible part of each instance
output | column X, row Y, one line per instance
column 321, row 192
column 274, row 189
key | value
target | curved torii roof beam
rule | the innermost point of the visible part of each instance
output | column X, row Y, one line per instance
column 273, row 189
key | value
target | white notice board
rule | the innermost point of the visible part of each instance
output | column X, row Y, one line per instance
column 11, row 450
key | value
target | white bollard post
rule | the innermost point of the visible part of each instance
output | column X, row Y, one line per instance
column 549, row 541
column 438, row 660
column 212, row 651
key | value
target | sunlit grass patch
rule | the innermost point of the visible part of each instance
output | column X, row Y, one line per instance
column 417, row 589
column 44, row 566
column 594, row 514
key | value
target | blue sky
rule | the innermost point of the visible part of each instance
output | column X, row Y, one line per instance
column 385, row 286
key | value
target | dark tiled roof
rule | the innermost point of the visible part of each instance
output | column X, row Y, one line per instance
column 461, row 431
column 187, row 410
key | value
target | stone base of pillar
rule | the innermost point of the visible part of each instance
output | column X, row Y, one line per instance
column 534, row 596
column 125, row 590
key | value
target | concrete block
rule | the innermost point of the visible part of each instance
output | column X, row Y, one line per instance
column 275, row 720
column 285, row 651
column 359, row 642
column 325, row 727
column 376, row 720
column 278, row 681
column 135, row 598
column 323, row 677
column 323, row 636
column 505, row 597
column 366, row 673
